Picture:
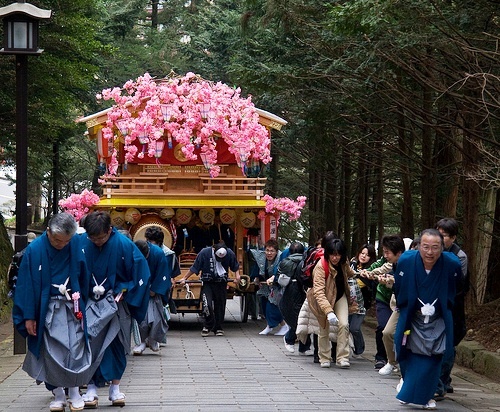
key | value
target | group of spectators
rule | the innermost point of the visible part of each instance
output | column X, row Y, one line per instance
column 81, row 293
column 418, row 288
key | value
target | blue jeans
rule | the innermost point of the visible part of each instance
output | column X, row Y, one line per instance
column 355, row 321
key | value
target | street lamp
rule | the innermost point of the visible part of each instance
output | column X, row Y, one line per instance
column 20, row 26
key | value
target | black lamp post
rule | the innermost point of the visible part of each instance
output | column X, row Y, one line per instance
column 20, row 24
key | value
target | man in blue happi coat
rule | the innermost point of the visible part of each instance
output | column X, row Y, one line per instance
column 119, row 290
column 52, row 288
column 153, row 329
column 425, row 290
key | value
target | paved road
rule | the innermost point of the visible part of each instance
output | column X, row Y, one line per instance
column 243, row 371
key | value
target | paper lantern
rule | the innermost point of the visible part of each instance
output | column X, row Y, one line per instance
column 167, row 213
column 227, row 216
column 183, row 216
column 132, row 216
column 104, row 147
column 207, row 215
column 117, row 218
column 247, row 219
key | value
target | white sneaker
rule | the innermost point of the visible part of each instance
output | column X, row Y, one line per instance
column 283, row 330
column 308, row 352
column 139, row 349
column 325, row 364
column 344, row 364
column 265, row 331
column 430, row 405
column 387, row 369
column 289, row 348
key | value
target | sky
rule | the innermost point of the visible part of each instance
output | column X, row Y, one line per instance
column 7, row 196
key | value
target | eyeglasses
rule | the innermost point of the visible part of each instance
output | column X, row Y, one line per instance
column 428, row 248
column 96, row 239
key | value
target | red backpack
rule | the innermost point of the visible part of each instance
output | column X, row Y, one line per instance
column 311, row 257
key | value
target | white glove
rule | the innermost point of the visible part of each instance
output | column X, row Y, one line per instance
column 332, row 319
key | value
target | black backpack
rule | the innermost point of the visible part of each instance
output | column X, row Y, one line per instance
column 13, row 271
column 464, row 286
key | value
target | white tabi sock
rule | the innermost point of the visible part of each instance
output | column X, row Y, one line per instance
column 59, row 394
column 91, row 389
column 114, row 389
column 74, row 393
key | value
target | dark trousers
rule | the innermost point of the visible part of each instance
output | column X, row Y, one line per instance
column 383, row 312
column 291, row 337
column 214, row 302
column 445, row 379
column 355, row 321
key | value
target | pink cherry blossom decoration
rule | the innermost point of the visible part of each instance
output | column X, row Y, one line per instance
column 79, row 204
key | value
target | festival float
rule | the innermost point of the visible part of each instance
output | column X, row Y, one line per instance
column 189, row 156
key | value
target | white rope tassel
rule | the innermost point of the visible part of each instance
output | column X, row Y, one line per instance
column 98, row 290
column 62, row 289
column 427, row 309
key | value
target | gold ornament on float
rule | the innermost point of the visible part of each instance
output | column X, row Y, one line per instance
column 247, row 219
column 227, row 216
column 207, row 215
column 117, row 218
column 167, row 213
column 132, row 215
column 183, row 216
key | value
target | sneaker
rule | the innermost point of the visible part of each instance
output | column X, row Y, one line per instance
column 308, row 352
column 283, row 330
column 265, row 331
column 403, row 402
column 139, row 349
column 449, row 389
column 439, row 396
column 325, row 364
column 387, row 369
column 289, row 348
column 220, row 332
column 343, row 364
column 431, row 405
column 379, row 364
column 205, row 332
column 154, row 346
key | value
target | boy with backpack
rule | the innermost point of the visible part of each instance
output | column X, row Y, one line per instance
column 290, row 278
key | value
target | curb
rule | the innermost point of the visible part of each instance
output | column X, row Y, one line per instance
column 473, row 355
column 469, row 354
